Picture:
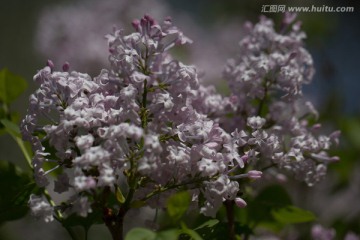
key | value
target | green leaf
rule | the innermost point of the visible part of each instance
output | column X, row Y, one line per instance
column 14, row 118
column 147, row 234
column 11, row 128
column 272, row 226
column 171, row 234
column 191, row 233
column 292, row 214
column 14, row 131
column 119, row 196
column 11, row 86
column 220, row 230
column 15, row 189
column 140, row 234
column 178, row 204
column 271, row 197
column 208, row 224
column 25, row 191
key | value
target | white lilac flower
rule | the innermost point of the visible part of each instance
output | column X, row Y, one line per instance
column 178, row 154
column 256, row 122
column 166, row 100
column 83, row 183
column 84, row 142
column 207, row 167
column 82, row 206
column 107, row 176
column 216, row 191
column 40, row 208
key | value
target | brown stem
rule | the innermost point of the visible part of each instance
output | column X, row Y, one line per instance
column 116, row 230
column 115, row 223
column 229, row 205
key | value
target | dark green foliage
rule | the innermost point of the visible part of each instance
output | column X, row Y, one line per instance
column 11, row 86
column 15, row 189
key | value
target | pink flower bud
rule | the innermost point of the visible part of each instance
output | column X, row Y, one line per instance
column 240, row 202
column 316, row 126
column 248, row 26
column 254, row 174
column 50, row 64
column 136, row 24
column 245, row 158
column 334, row 137
column 111, row 50
column 212, row 144
column 292, row 55
column 66, row 67
column 335, row 134
column 143, row 22
column 149, row 19
column 297, row 26
column 289, row 18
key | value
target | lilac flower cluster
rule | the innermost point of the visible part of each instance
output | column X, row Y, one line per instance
column 135, row 121
column 147, row 127
column 266, row 79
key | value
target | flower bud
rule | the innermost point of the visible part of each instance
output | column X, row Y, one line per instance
column 292, row 55
column 136, row 24
column 289, row 18
column 149, row 19
column 316, row 126
column 240, row 202
column 245, row 158
column 254, row 174
column 66, row 67
column 50, row 64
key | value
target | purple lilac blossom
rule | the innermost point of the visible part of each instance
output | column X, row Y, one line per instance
column 149, row 117
column 137, row 116
column 266, row 79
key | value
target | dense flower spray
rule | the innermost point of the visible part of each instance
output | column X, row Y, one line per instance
column 135, row 122
column 266, row 81
column 147, row 127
